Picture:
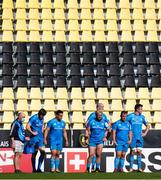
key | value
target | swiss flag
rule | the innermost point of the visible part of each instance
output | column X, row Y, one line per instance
column 76, row 161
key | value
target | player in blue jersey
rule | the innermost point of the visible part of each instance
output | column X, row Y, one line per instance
column 136, row 120
column 56, row 130
column 35, row 126
column 122, row 137
column 97, row 133
column 99, row 108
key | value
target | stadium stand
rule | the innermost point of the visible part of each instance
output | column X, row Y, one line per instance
column 71, row 54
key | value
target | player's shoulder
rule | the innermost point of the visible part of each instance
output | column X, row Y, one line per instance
column 142, row 116
column 63, row 121
column 130, row 115
column 33, row 117
column 51, row 121
column 117, row 122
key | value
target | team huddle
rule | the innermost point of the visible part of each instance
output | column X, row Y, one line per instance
column 126, row 132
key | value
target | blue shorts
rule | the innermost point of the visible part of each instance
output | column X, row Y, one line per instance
column 94, row 144
column 137, row 144
column 56, row 146
column 122, row 147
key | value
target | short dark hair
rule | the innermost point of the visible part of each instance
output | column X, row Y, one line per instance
column 58, row 112
column 42, row 112
column 137, row 106
column 123, row 112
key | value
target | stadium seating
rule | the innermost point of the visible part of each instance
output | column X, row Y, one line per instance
column 72, row 54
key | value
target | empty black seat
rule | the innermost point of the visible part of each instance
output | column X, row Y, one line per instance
column 114, row 58
column 155, row 81
column 21, row 47
column 140, row 47
column 35, row 81
column 34, row 48
column 141, row 70
column 154, row 58
column 48, row 70
column 101, row 58
column 60, row 47
column 35, row 70
column 100, row 47
column 115, row 81
column 74, row 47
column 74, row 58
column 21, row 81
column 129, row 81
column 60, row 58
column 61, row 70
column 155, row 70
column 101, row 70
column 127, row 47
column 153, row 47
column 114, row 70
column 87, row 47
column 61, row 81
column 87, row 58
column 113, row 47
column 128, row 70
column 75, row 70
column 47, row 58
column 88, row 81
column 88, row 70
column 7, row 69
column 7, row 81
column 35, row 58
column 21, row 70
column 75, row 81
column 142, row 81
column 48, row 81
column 7, row 47
column 141, row 58
column 102, row 81
column 21, row 58
column 47, row 47
column 7, row 58
column 128, row 58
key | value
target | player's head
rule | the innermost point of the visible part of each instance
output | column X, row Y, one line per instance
column 98, row 115
column 21, row 116
column 139, row 108
column 123, row 115
column 59, row 114
column 42, row 112
column 100, row 107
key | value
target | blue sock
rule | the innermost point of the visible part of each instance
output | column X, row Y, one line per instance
column 122, row 162
column 116, row 162
column 131, row 161
column 139, row 161
column 88, row 165
column 57, row 161
column 98, row 165
column 93, row 162
column 52, row 163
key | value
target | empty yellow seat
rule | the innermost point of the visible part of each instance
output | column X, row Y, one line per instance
column 126, row 36
column 34, row 25
column 8, row 116
column 99, row 36
column 22, row 105
column 156, row 105
column 113, row 12
column 157, row 126
column 7, row 14
column 86, row 25
column 73, row 25
column 76, row 93
column 152, row 36
column 76, row 105
column 97, row 4
column 138, row 25
column 21, row 4
column 73, row 36
column 143, row 93
column 35, row 93
column 66, row 118
column 78, row 126
column 124, row 4
column 98, row 14
column 73, row 14
column 85, row 14
column 88, row 113
column 85, row 4
column 62, row 104
column 146, row 105
column 115, row 116
column 110, row 4
column 7, row 25
column 102, row 93
column 137, row 4
column 139, row 36
column 159, row 4
column 58, row 4
column 7, row 93
column 125, row 25
column 156, row 118
column 59, row 25
column 89, row 105
column 46, row 4
column 105, row 104
column 7, row 126
column 33, row 4
column 60, row 36
column 137, row 14
column 7, row 36
column 7, row 4
column 21, row 25
column 116, row 105
column 130, row 104
column 112, row 36
column 49, row 105
column 89, row 93
column 34, row 36
column 130, row 93
column 150, row 14
column 148, row 117
column 46, row 25
column 47, row 36
column 59, row 14
column 111, row 25
column 72, row 4
column 149, row 4
column 21, row 36
column 156, row 93
column 77, row 117
column 87, row 36
column 48, row 93
column 116, row 93
column 125, row 14
column 21, row 14
column 98, row 25
column 33, row 14
column 46, row 14
column 35, row 105
column 50, row 115
column 22, row 93
column 61, row 93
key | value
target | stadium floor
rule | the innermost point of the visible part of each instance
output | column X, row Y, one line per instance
column 84, row 176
